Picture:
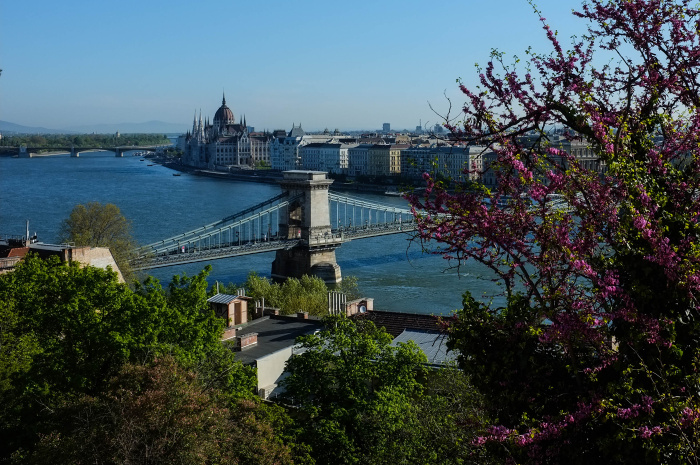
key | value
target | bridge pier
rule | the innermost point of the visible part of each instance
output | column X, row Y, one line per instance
column 23, row 153
column 298, row 261
column 307, row 219
column 74, row 153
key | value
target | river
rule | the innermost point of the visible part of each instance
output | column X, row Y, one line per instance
column 391, row 269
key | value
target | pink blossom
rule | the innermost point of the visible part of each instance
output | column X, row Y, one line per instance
column 614, row 272
column 640, row 222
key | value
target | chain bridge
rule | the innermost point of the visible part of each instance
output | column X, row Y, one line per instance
column 304, row 225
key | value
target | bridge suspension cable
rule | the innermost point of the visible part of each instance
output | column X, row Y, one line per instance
column 247, row 225
column 256, row 230
column 350, row 213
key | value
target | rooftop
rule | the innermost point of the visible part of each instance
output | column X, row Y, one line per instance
column 222, row 298
column 274, row 333
column 396, row 323
column 432, row 343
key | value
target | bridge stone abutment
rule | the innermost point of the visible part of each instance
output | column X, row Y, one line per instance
column 24, row 153
column 307, row 219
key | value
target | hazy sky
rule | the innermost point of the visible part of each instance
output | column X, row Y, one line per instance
column 347, row 65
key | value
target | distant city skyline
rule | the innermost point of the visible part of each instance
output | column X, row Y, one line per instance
column 324, row 65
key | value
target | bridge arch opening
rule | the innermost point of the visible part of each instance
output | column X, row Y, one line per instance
column 295, row 220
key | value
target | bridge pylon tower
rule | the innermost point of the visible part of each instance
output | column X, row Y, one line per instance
column 308, row 219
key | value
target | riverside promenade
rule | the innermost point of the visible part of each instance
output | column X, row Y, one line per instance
column 261, row 176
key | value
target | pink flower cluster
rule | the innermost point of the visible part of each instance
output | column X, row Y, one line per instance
column 616, row 239
column 645, row 432
column 634, row 410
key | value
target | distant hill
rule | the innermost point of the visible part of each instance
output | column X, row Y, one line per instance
column 148, row 127
column 8, row 128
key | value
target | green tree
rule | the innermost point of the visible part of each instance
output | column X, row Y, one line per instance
column 350, row 287
column 159, row 413
column 346, row 377
column 17, row 347
column 80, row 326
column 84, row 140
column 308, row 294
column 449, row 419
column 259, row 288
column 439, row 426
column 98, row 225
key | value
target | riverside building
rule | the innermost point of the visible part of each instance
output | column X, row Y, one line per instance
column 287, row 151
column 224, row 143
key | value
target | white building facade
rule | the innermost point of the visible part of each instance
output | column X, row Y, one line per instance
column 331, row 157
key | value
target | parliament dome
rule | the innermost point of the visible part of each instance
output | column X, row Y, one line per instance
column 224, row 115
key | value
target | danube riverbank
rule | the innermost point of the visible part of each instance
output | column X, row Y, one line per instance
column 263, row 176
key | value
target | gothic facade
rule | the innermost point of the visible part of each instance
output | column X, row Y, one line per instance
column 221, row 144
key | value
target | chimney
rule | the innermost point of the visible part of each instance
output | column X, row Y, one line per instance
column 303, row 315
column 229, row 333
column 246, row 340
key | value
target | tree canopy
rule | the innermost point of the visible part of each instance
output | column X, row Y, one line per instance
column 307, row 294
column 93, row 371
column 71, row 329
column 594, row 355
column 98, row 225
column 341, row 372
column 363, row 400
column 159, row 413
column 84, row 140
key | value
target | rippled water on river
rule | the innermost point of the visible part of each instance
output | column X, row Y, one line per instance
column 44, row 190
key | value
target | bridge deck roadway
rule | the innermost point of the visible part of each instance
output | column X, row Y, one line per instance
column 202, row 255
column 334, row 239
column 376, row 230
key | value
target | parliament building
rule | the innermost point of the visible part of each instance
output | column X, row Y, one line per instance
column 223, row 143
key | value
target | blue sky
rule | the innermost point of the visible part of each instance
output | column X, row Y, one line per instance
column 346, row 65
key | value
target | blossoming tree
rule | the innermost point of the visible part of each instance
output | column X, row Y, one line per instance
column 596, row 353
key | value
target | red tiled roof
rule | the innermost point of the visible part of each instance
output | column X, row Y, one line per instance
column 18, row 252
column 8, row 252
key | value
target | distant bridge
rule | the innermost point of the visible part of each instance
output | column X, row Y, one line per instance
column 24, row 151
column 303, row 225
